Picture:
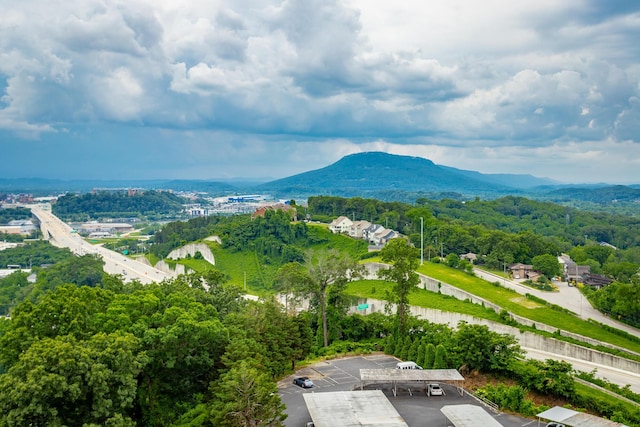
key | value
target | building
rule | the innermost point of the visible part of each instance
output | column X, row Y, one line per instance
column 357, row 228
column 22, row 226
column 523, row 271
column 596, row 281
column 261, row 211
column 571, row 271
column 341, row 225
column 110, row 228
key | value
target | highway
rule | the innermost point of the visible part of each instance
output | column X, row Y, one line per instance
column 61, row 235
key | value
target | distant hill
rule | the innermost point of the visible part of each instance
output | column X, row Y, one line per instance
column 601, row 195
column 510, row 180
column 368, row 174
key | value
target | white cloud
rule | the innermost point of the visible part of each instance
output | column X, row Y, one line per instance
column 428, row 77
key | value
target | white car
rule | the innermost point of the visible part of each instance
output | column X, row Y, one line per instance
column 434, row 390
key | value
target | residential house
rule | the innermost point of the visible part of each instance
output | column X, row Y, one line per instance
column 596, row 281
column 357, row 229
column 341, row 225
column 370, row 231
column 291, row 210
column 471, row 257
column 522, row 271
column 382, row 236
column 572, row 272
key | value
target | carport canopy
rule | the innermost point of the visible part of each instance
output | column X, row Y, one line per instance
column 389, row 375
column 469, row 416
column 368, row 408
column 395, row 376
column 573, row 418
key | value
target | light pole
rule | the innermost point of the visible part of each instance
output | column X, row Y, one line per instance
column 421, row 240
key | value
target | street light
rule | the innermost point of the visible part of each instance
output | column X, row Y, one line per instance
column 421, row 240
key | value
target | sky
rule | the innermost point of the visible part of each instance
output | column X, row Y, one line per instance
column 263, row 89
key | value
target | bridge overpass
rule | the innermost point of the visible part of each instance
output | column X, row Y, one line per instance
column 61, row 235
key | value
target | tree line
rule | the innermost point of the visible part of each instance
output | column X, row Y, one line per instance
column 150, row 204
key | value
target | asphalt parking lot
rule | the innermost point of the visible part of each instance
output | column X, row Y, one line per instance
column 344, row 375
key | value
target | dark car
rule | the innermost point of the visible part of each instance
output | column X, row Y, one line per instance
column 303, row 382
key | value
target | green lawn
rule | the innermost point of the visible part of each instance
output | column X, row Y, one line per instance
column 517, row 304
column 377, row 289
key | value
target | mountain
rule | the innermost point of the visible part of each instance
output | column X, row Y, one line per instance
column 374, row 173
column 602, row 195
column 510, row 180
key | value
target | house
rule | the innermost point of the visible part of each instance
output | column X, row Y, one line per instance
column 571, row 270
column 382, row 236
column 342, row 224
column 357, row 228
column 522, row 271
column 596, row 281
column 261, row 211
column 471, row 257
column 370, row 231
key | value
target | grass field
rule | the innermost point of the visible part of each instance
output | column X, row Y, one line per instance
column 245, row 269
column 516, row 304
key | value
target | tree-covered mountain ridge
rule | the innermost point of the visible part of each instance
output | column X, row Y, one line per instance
column 375, row 171
column 405, row 178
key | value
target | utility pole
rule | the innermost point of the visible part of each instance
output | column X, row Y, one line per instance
column 421, row 240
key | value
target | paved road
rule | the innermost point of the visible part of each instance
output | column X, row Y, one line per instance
column 613, row 375
column 567, row 296
column 60, row 235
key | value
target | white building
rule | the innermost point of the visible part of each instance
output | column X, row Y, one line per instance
column 342, row 224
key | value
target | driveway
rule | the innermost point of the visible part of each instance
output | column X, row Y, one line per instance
column 344, row 375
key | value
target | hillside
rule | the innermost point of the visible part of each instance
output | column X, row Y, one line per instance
column 367, row 174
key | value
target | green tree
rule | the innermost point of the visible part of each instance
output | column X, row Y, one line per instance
column 422, row 349
column 481, row 349
column 430, row 356
column 547, row 265
column 389, row 344
column 63, row 381
column 290, row 279
column 440, row 361
column 406, row 345
column 404, row 262
column 413, row 350
column 247, row 397
column 329, row 273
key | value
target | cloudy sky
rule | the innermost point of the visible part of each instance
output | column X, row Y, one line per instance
column 212, row 89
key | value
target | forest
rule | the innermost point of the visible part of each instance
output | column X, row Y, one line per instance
column 10, row 214
column 86, row 349
column 152, row 205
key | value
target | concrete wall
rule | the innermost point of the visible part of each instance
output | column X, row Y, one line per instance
column 525, row 339
column 166, row 268
column 191, row 250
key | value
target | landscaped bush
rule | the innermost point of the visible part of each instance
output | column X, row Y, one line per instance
column 512, row 398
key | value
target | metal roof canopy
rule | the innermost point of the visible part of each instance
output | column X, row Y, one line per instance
column 469, row 416
column 394, row 376
column 410, row 375
column 369, row 408
column 575, row 419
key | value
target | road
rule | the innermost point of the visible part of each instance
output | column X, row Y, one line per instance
column 61, row 235
column 613, row 375
column 567, row 296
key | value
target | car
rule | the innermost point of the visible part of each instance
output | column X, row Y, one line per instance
column 303, row 382
column 407, row 365
column 434, row 390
